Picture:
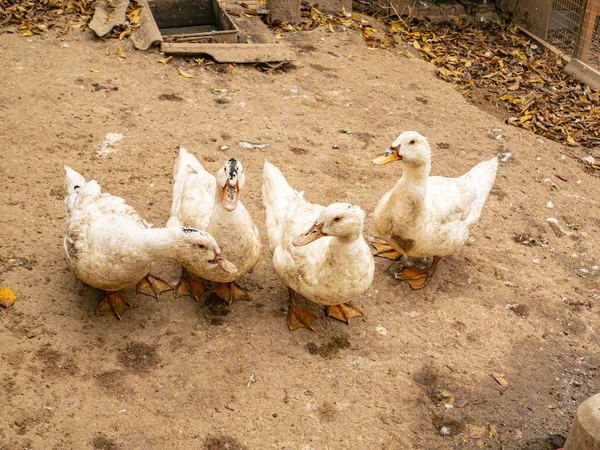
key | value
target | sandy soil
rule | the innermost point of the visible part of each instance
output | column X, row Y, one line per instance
column 176, row 374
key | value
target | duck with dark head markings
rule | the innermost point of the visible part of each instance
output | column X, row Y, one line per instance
column 110, row 247
column 424, row 216
column 210, row 203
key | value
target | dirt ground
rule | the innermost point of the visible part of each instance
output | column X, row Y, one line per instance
column 520, row 299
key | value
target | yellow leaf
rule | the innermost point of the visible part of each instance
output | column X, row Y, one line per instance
column 524, row 119
column 343, row 11
column 165, row 60
column 184, row 74
column 121, row 53
column 27, row 33
column 107, row 52
column 7, row 297
column 134, row 17
column 444, row 71
column 416, row 45
column 395, row 27
column 94, row 70
column 199, row 61
column 500, row 377
column 123, row 34
column 330, row 28
column 514, row 86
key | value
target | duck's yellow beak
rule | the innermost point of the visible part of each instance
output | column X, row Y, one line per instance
column 230, row 196
column 314, row 233
column 389, row 156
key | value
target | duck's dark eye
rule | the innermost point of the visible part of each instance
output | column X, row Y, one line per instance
column 202, row 246
column 337, row 219
column 412, row 142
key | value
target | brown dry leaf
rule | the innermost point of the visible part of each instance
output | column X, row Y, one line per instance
column 474, row 432
column 184, row 74
column 121, row 53
column 165, row 60
column 7, row 297
column 500, row 378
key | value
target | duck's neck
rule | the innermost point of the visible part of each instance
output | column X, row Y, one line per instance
column 342, row 247
column 414, row 177
column 408, row 196
column 158, row 243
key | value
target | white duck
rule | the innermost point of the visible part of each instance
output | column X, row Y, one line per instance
column 333, row 270
column 110, row 247
column 203, row 202
column 425, row 216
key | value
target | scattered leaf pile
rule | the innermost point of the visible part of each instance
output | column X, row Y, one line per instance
column 313, row 18
column 526, row 78
column 38, row 16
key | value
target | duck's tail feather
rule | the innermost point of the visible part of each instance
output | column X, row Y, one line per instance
column 277, row 196
column 482, row 177
column 73, row 183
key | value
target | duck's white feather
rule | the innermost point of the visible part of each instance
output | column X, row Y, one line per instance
column 193, row 192
column 329, row 270
column 101, row 229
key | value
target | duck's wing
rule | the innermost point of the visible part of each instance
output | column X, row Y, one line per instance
column 87, row 206
column 461, row 199
column 288, row 212
column 193, row 193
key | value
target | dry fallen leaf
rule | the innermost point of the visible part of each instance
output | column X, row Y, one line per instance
column 7, row 297
column 500, row 378
column 121, row 53
column 184, row 74
column 165, row 60
column 94, row 70
column 27, row 33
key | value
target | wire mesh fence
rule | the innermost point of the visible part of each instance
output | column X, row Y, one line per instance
column 575, row 29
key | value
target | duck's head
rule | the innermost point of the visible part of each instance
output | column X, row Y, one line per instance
column 197, row 247
column 410, row 147
column 342, row 220
column 231, row 180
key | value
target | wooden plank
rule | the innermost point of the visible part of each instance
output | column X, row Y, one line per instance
column 586, row 33
column 233, row 53
column 254, row 29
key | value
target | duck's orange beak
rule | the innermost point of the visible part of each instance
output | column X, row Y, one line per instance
column 230, row 196
column 314, row 233
column 390, row 155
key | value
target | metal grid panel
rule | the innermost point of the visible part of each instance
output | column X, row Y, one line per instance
column 588, row 43
column 564, row 24
column 575, row 29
